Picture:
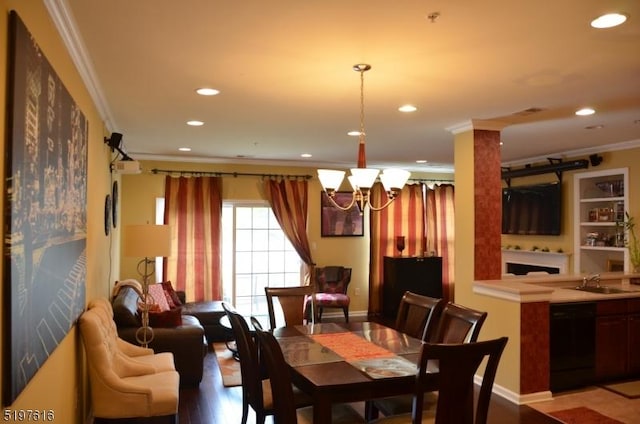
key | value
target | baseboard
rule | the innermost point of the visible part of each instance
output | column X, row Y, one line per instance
column 517, row 398
column 337, row 315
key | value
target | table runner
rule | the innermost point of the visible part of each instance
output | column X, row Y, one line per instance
column 351, row 347
column 373, row 360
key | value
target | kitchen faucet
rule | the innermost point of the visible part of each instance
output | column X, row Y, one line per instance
column 589, row 278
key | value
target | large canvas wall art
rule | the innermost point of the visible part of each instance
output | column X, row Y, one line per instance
column 45, row 211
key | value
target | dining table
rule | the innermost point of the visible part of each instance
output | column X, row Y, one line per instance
column 349, row 362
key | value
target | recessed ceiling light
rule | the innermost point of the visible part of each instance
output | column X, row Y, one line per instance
column 195, row 123
column 609, row 20
column 594, row 127
column 207, row 91
column 585, row 111
column 354, row 133
column 306, row 155
column 184, row 149
column 407, row 108
column 421, row 161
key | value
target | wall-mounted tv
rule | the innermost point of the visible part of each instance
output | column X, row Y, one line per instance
column 532, row 209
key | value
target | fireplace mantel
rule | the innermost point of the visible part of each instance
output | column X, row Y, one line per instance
column 537, row 258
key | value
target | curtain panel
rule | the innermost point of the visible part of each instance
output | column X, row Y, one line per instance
column 404, row 217
column 193, row 209
column 289, row 201
column 425, row 217
column 440, row 232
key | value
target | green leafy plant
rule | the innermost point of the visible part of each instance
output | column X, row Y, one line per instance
column 632, row 241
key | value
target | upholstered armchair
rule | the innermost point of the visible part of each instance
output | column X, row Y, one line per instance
column 331, row 289
column 126, row 382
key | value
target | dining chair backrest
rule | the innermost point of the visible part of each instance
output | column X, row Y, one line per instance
column 418, row 315
column 458, row 324
column 457, row 365
column 250, row 372
column 292, row 301
column 277, row 368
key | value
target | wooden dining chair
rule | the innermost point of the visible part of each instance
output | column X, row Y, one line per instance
column 256, row 391
column 418, row 315
column 456, row 324
column 293, row 301
column 457, row 366
column 285, row 411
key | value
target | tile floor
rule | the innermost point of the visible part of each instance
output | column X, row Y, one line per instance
column 604, row 401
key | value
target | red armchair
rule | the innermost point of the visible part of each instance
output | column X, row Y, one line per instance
column 331, row 289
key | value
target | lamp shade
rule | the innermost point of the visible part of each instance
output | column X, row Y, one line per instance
column 147, row 241
column 394, row 178
column 363, row 178
column 330, row 179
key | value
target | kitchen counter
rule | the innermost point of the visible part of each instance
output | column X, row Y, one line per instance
column 556, row 288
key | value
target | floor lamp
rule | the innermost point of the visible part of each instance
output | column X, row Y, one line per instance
column 147, row 241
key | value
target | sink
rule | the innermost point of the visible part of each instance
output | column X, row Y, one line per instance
column 601, row 289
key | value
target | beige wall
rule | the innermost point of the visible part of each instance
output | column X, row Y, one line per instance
column 138, row 205
column 617, row 159
column 504, row 316
column 61, row 382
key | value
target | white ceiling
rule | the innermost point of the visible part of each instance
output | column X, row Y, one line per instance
column 284, row 68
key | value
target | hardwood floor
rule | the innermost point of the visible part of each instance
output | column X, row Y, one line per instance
column 212, row 403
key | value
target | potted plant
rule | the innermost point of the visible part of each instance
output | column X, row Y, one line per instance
column 632, row 242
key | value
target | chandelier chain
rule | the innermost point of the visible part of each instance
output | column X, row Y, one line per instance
column 362, row 134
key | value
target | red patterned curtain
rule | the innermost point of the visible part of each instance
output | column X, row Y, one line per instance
column 193, row 208
column 404, row 217
column 440, row 233
column 289, row 201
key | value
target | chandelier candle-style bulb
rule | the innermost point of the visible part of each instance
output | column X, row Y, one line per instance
column 363, row 178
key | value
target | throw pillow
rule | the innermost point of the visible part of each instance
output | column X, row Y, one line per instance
column 168, row 289
column 170, row 318
column 157, row 292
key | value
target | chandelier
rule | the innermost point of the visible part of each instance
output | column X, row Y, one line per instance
column 363, row 178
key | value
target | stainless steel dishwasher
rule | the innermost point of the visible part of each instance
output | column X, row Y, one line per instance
column 572, row 345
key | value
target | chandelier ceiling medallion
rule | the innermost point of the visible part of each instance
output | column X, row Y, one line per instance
column 363, row 178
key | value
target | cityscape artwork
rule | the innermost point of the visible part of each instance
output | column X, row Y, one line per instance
column 45, row 212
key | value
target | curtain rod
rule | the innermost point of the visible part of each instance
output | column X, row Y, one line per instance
column 227, row 174
column 249, row 174
column 430, row 180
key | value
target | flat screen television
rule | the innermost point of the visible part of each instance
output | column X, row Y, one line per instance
column 532, row 209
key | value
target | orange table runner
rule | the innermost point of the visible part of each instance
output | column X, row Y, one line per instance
column 351, row 347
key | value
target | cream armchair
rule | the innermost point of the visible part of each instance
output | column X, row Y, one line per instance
column 126, row 382
column 163, row 361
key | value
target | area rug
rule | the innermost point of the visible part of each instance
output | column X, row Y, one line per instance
column 229, row 367
column 582, row 415
column 629, row 389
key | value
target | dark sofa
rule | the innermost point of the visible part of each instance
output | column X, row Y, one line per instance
column 186, row 341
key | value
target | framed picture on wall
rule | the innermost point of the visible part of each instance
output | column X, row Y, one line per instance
column 336, row 222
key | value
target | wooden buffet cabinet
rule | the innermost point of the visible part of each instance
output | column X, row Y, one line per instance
column 421, row 275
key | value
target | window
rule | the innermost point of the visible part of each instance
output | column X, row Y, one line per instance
column 255, row 254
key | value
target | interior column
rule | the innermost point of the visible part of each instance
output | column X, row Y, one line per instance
column 478, row 204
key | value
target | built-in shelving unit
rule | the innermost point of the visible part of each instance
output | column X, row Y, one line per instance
column 600, row 201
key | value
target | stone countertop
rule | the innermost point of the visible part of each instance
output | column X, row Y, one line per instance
column 556, row 288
